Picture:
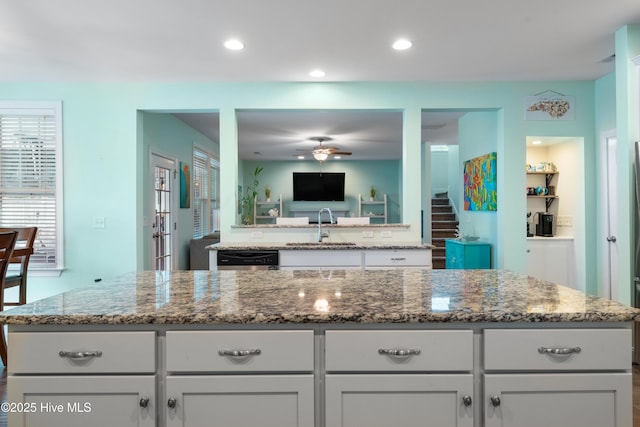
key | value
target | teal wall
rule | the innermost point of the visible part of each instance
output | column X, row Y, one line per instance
column 478, row 135
column 104, row 152
column 359, row 177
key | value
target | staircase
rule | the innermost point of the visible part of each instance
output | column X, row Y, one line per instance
column 443, row 226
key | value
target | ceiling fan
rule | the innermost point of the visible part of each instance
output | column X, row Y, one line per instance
column 322, row 152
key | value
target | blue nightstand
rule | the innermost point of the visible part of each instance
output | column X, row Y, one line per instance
column 462, row 254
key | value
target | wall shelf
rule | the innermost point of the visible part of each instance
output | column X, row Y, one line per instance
column 377, row 208
column 262, row 207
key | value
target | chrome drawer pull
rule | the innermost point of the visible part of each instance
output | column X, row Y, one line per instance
column 171, row 403
column 398, row 259
column 467, row 401
column 495, row 401
column 80, row 354
column 399, row 352
column 144, row 402
column 559, row 350
column 239, row 353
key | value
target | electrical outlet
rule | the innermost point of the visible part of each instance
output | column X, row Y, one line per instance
column 98, row 222
column 368, row 234
column 386, row 233
column 256, row 234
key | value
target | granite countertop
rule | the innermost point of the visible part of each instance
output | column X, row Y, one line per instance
column 318, row 246
column 332, row 296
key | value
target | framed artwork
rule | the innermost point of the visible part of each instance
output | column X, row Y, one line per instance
column 480, row 183
column 185, row 185
column 549, row 105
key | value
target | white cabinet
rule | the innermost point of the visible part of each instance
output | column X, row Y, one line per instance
column 567, row 399
column 397, row 258
column 355, row 259
column 243, row 378
column 80, row 379
column 552, row 259
column 240, row 400
column 380, row 378
column 80, row 401
column 321, row 258
column 416, row 400
column 557, row 377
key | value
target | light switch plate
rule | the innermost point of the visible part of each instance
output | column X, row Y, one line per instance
column 386, row 233
column 368, row 234
column 256, row 234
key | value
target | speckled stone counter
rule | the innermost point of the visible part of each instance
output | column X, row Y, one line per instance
column 318, row 246
column 302, row 297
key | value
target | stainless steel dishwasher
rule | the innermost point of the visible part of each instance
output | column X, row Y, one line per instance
column 247, row 259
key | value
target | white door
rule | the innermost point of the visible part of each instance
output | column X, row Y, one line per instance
column 420, row 400
column 534, row 400
column 163, row 212
column 609, row 215
column 240, row 400
column 80, row 401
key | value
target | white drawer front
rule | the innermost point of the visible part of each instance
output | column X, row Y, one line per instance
column 400, row 258
column 353, row 351
column 320, row 258
column 243, row 351
column 558, row 349
column 104, row 352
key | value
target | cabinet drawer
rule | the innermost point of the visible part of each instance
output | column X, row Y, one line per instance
column 105, row 352
column 398, row 258
column 352, row 351
column 535, row 349
column 240, row 351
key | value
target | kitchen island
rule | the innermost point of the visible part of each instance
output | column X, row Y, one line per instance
column 321, row 348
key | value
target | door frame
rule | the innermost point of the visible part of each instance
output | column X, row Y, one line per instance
column 153, row 153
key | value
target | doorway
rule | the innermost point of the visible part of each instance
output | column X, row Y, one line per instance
column 163, row 208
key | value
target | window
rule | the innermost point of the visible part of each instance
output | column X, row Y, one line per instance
column 206, row 208
column 31, row 175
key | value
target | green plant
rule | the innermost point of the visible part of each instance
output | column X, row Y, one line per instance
column 267, row 192
column 250, row 193
column 372, row 192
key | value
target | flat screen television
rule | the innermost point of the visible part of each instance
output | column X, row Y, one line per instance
column 318, row 186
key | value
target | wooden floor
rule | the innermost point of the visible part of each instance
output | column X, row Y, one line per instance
column 636, row 395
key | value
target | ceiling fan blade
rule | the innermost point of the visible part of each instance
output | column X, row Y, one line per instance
column 342, row 153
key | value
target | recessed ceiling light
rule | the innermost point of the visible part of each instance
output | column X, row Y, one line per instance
column 337, row 157
column 301, row 157
column 536, row 142
column 402, row 44
column 317, row 73
column 234, row 44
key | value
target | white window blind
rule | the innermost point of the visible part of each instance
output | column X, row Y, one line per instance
column 205, row 193
column 30, row 183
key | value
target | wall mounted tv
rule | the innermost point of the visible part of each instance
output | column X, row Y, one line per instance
column 318, row 186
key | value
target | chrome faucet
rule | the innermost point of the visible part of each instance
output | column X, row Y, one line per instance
column 322, row 235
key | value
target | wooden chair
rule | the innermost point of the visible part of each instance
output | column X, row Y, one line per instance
column 7, row 243
column 21, row 255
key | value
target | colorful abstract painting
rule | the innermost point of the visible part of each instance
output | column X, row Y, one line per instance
column 480, row 183
column 185, row 185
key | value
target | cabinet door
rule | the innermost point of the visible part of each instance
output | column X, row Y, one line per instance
column 407, row 400
column 454, row 254
column 70, row 401
column 234, row 400
column 534, row 400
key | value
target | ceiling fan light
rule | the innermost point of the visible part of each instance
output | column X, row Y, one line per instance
column 234, row 44
column 320, row 156
column 317, row 73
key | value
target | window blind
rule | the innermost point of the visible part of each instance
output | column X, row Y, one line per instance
column 205, row 192
column 28, row 179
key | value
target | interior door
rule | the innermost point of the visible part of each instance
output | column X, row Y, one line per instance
column 163, row 207
column 610, row 225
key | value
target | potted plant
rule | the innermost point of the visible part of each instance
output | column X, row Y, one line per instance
column 249, row 197
column 267, row 193
column 372, row 193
